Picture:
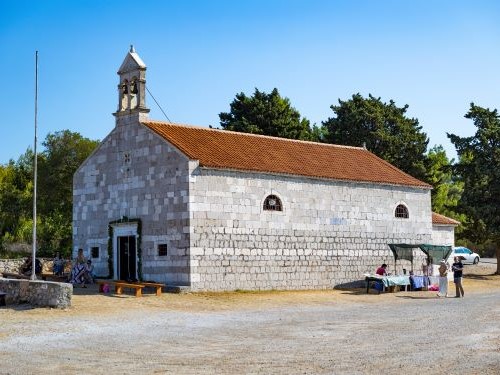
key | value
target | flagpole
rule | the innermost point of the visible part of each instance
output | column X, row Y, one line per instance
column 35, row 165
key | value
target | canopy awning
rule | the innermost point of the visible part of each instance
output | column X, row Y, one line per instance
column 434, row 252
column 403, row 251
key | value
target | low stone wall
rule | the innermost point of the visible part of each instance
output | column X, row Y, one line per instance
column 13, row 265
column 10, row 265
column 37, row 293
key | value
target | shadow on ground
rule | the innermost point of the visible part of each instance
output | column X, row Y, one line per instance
column 479, row 277
column 433, row 296
column 93, row 289
column 357, row 291
column 18, row 307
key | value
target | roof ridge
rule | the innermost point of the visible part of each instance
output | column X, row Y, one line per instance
column 251, row 134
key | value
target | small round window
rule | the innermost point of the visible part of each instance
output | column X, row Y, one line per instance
column 272, row 203
column 401, row 212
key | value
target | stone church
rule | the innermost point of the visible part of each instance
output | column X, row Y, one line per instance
column 218, row 210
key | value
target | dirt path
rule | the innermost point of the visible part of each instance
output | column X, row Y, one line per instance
column 324, row 332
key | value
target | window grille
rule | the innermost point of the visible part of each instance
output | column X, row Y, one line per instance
column 272, row 203
column 401, row 212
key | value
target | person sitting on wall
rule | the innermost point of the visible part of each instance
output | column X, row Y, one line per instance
column 58, row 265
column 382, row 270
column 79, row 270
column 27, row 266
column 89, row 274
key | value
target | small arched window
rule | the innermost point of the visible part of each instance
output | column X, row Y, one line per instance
column 401, row 212
column 272, row 203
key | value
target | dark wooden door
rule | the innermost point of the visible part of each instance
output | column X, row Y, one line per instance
column 127, row 257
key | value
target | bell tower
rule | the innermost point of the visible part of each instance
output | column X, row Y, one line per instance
column 132, row 88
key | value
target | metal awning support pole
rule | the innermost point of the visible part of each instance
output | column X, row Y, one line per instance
column 33, row 253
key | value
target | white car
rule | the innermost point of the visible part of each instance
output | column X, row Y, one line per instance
column 468, row 255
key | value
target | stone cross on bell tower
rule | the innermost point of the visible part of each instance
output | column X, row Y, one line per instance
column 132, row 88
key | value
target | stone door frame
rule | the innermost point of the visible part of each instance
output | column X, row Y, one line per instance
column 123, row 230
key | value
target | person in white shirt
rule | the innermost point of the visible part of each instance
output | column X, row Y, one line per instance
column 443, row 278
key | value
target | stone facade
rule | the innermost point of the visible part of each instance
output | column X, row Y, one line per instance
column 329, row 233
column 218, row 236
column 134, row 174
column 205, row 227
column 443, row 234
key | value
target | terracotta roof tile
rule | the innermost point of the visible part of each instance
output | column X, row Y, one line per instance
column 443, row 220
column 223, row 149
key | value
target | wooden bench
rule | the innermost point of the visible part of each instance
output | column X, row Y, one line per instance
column 2, row 298
column 137, row 287
column 119, row 285
column 158, row 286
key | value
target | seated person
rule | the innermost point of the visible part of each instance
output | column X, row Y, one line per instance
column 26, row 267
column 58, row 265
column 89, row 272
column 382, row 270
column 79, row 270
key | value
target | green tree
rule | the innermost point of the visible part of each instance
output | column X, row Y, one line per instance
column 267, row 114
column 16, row 193
column 479, row 169
column 447, row 190
column 63, row 153
column 385, row 130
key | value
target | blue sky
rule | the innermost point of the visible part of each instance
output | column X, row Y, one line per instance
column 435, row 56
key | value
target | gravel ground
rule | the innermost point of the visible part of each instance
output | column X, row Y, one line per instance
column 314, row 332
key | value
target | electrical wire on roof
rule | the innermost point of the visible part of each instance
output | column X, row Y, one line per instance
column 161, row 109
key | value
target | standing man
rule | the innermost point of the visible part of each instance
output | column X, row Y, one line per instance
column 457, row 268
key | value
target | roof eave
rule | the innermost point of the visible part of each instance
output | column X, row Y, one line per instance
column 424, row 187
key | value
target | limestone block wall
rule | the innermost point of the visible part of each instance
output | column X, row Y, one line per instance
column 328, row 234
column 443, row 235
column 37, row 293
column 135, row 174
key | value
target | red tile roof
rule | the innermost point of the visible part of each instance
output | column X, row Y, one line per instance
column 222, row 149
column 443, row 220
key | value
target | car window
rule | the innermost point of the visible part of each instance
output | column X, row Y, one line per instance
column 458, row 251
column 468, row 251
